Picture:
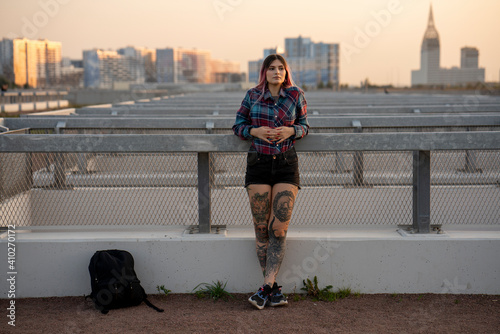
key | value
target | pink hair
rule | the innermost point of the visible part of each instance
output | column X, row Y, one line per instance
column 265, row 65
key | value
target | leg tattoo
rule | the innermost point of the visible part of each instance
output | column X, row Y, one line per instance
column 261, row 254
column 260, row 205
column 275, row 251
column 283, row 205
column 282, row 212
column 261, row 233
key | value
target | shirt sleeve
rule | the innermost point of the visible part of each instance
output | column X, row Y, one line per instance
column 301, row 124
column 243, row 122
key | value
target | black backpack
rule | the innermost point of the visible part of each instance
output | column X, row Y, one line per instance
column 114, row 281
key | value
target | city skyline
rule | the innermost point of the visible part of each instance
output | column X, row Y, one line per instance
column 379, row 40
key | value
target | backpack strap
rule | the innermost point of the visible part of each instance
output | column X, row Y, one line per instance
column 148, row 303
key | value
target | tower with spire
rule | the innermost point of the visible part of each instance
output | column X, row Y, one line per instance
column 431, row 73
column 430, row 51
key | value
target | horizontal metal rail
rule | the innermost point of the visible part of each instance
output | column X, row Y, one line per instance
column 321, row 110
column 427, row 141
column 226, row 122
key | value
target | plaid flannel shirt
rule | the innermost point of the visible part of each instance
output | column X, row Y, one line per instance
column 290, row 110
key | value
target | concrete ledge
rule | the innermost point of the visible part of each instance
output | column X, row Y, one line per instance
column 51, row 262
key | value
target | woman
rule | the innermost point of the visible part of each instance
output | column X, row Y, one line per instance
column 273, row 115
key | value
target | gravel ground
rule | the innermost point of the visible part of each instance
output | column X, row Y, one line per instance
column 185, row 313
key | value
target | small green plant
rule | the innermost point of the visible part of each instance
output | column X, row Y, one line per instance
column 311, row 288
column 296, row 296
column 162, row 290
column 457, row 301
column 216, row 290
column 344, row 293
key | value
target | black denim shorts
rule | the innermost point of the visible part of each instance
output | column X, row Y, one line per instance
column 272, row 169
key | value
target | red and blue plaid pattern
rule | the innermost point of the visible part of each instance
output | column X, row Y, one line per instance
column 289, row 110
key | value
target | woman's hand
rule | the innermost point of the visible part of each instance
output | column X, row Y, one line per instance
column 270, row 135
column 284, row 132
column 264, row 132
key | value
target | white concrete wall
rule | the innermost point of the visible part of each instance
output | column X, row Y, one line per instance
column 374, row 260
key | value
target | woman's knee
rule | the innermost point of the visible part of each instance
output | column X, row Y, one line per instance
column 283, row 203
column 277, row 228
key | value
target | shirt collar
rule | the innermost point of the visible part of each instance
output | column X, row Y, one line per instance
column 267, row 93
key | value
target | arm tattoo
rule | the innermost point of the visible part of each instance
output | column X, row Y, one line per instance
column 283, row 205
column 260, row 205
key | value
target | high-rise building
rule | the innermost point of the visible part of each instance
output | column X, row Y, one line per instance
column 431, row 72
column 299, row 47
column 71, row 73
column 110, row 69
column 7, row 59
column 469, row 57
column 166, row 70
column 254, row 68
column 54, row 62
column 224, row 71
column 430, row 52
column 312, row 64
column 142, row 61
column 193, row 66
column 36, row 63
column 177, row 65
column 102, row 68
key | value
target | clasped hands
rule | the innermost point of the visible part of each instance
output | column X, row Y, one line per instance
column 273, row 135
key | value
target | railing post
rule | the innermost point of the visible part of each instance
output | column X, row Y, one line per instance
column 209, row 127
column 421, row 191
column 59, row 173
column 358, row 162
column 470, row 161
column 82, row 162
column 204, row 199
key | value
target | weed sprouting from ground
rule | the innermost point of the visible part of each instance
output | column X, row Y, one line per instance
column 325, row 294
column 162, row 290
column 216, row 290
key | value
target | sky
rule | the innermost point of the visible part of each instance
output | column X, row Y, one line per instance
column 379, row 39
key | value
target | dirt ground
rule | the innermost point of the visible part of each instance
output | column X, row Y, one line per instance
column 185, row 313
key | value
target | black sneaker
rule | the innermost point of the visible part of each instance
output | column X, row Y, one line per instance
column 276, row 298
column 259, row 299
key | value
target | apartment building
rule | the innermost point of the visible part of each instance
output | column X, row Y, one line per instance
column 35, row 63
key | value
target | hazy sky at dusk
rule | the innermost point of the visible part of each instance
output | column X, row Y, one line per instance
column 240, row 29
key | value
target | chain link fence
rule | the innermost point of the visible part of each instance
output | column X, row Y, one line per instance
column 338, row 188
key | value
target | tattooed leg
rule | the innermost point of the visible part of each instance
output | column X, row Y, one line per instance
column 283, row 201
column 275, row 252
column 261, row 241
column 260, row 204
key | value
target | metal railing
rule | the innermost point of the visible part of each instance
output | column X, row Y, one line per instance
column 31, row 96
column 13, row 102
column 417, row 179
